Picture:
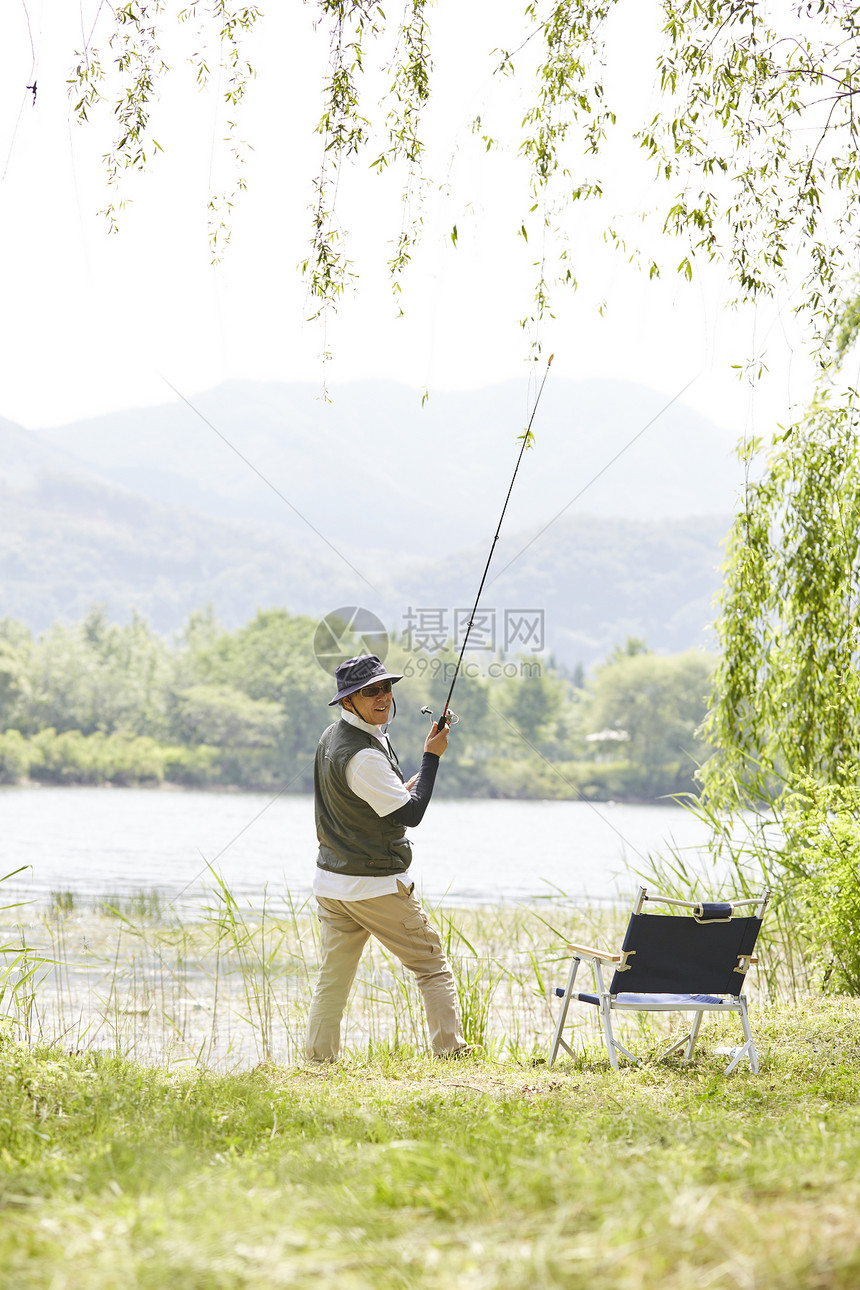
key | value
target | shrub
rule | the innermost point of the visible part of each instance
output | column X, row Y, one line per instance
column 15, row 757
column 133, row 759
column 822, row 863
column 74, row 758
column 66, row 758
column 195, row 767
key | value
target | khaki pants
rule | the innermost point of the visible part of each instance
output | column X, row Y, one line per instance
column 399, row 922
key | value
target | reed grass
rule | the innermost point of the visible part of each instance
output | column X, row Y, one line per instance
column 224, row 986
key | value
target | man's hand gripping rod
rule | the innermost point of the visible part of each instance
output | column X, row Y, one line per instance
column 449, row 718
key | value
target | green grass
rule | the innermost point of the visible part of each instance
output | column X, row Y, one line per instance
column 394, row 1171
column 138, row 1148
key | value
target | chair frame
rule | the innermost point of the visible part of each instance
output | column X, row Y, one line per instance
column 608, row 1003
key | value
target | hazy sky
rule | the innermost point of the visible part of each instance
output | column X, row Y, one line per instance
column 92, row 322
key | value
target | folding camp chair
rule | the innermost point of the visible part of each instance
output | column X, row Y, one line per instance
column 695, row 962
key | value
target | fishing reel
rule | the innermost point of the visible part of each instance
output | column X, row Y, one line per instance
column 451, row 718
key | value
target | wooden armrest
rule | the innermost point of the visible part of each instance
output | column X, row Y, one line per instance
column 585, row 952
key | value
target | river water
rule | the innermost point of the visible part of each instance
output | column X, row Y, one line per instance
column 114, row 842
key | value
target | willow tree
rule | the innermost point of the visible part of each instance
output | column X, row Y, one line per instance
column 785, row 706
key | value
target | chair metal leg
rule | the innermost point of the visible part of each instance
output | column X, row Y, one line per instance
column 748, row 1049
column 613, row 1047
column 606, row 1018
column 558, row 1042
column 683, row 1042
column 694, row 1035
column 688, row 1041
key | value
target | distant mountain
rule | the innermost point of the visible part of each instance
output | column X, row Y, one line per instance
column 68, row 545
column 376, row 469
column 26, row 459
column 596, row 582
column 71, row 538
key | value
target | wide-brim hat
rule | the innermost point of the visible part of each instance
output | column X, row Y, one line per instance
column 358, row 672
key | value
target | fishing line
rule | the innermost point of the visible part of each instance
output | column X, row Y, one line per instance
column 595, row 478
column 266, row 481
column 29, row 90
column 244, row 829
column 526, row 441
column 569, row 783
column 210, row 863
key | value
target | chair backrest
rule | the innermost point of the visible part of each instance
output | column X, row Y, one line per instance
column 694, row 953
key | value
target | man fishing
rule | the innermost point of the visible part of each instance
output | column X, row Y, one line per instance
column 363, row 808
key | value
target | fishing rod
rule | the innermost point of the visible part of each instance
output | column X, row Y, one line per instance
column 449, row 718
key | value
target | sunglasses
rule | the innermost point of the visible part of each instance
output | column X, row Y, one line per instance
column 371, row 691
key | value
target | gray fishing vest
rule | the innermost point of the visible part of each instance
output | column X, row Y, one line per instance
column 353, row 838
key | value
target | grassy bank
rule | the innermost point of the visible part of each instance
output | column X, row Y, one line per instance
column 396, row 1171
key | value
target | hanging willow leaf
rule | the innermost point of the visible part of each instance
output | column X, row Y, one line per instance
column 751, row 130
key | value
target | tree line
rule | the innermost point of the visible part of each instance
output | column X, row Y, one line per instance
column 97, row 702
